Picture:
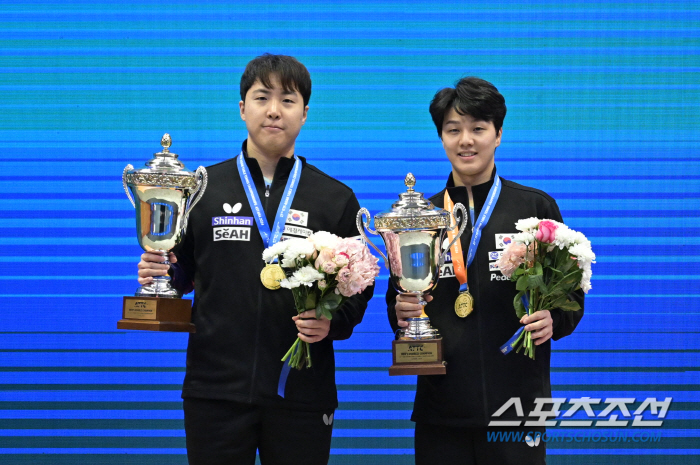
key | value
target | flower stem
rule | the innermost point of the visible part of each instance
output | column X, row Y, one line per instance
column 291, row 350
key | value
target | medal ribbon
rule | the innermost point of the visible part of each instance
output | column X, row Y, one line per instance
column 456, row 249
column 478, row 225
column 508, row 346
column 270, row 237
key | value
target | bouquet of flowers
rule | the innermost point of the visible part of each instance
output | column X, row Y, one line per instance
column 548, row 261
column 322, row 271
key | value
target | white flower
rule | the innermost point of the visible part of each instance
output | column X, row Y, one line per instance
column 524, row 238
column 527, row 224
column 274, row 251
column 579, row 238
column 563, row 236
column 323, row 239
column 289, row 262
column 583, row 253
column 297, row 248
column 308, row 275
column 290, row 283
column 584, row 257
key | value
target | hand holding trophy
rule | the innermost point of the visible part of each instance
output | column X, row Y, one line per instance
column 413, row 232
column 164, row 193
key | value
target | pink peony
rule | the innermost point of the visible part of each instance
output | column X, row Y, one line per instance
column 360, row 271
column 349, row 247
column 513, row 256
column 325, row 261
column 341, row 259
column 353, row 284
column 545, row 232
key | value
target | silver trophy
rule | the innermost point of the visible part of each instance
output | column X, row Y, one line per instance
column 163, row 194
column 414, row 231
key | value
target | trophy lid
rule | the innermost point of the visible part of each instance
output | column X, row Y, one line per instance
column 412, row 211
column 164, row 170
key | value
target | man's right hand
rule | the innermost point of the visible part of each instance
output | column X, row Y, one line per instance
column 152, row 264
column 407, row 306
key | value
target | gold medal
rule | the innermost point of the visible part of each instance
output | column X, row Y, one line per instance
column 464, row 304
column 271, row 276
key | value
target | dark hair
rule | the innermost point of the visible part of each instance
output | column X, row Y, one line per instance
column 471, row 96
column 292, row 74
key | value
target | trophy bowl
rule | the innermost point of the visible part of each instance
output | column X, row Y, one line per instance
column 163, row 194
column 413, row 232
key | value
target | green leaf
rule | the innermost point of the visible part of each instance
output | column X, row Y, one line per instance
column 535, row 282
column 520, row 309
column 328, row 314
column 519, row 271
column 522, row 283
column 566, row 262
column 559, row 301
column 556, row 274
column 571, row 279
column 538, row 269
column 310, row 301
column 556, row 293
column 330, row 303
column 548, row 260
column 570, row 306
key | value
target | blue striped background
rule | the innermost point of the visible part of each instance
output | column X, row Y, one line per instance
column 602, row 114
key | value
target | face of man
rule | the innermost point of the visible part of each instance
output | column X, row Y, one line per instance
column 273, row 118
column 470, row 145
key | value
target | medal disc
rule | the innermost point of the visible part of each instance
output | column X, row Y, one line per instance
column 271, row 276
column 464, row 304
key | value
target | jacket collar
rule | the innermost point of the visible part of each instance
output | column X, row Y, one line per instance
column 284, row 165
column 480, row 191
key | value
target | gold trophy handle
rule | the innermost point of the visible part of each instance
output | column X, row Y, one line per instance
column 361, row 225
column 202, row 179
column 126, row 189
column 458, row 208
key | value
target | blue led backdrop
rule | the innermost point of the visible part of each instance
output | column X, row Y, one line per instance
column 602, row 114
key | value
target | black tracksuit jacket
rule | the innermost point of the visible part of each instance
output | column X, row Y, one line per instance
column 244, row 329
column 480, row 379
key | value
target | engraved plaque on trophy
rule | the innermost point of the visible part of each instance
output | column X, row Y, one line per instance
column 163, row 194
column 413, row 232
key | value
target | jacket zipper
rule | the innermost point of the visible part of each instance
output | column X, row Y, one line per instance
column 475, row 280
column 259, row 310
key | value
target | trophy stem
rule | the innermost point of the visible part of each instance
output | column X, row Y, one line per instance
column 419, row 328
column 160, row 286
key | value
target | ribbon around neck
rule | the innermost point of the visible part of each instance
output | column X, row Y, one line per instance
column 269, row 237
column 477, row 225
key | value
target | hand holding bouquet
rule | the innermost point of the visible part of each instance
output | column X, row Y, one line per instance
column 548, row 261
column 322, row 271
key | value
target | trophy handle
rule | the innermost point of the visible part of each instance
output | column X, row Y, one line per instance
column 457, row 208
column 126, row 189
column 360, row 228
column 202, row 180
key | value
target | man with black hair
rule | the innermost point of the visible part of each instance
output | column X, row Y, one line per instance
column 236, row 400
column 453, row 411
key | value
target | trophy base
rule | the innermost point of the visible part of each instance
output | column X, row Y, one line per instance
column 417, row 357
column 157, row 314
column 160, row 287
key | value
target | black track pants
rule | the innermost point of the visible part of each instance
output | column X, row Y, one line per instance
column 221, row 432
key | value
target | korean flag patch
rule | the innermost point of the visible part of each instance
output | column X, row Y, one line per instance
column 502, row 240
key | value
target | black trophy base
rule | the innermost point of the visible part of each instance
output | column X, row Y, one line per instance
column 417, row 357
column 157, row 314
